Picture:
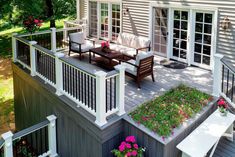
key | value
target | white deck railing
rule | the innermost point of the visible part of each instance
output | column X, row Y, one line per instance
column 98, row 92
column 9, row 140
column 223, row 79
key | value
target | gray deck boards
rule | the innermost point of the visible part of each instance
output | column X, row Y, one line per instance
column 165, row 79
column 225, row 148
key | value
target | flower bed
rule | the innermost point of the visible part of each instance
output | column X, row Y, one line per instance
column 168, row 111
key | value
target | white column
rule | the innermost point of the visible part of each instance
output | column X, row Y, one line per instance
column 33, row 58
column 120, row 88
column 8, row 148
column 59, row 73
column 100, row 98
column 52, row 135
column 65, row 34
column 78, row 9
column 14, row 49
column 53, row 40
column 217, row 75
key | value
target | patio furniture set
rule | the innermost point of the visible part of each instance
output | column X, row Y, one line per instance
column 128, row 51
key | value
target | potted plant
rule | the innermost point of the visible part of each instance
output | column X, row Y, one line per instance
column 105, row 46
column 223, row 107
column 129, row 148
column 32, row 25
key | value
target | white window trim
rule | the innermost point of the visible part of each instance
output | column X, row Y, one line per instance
column 109, row 2
column 191, row 10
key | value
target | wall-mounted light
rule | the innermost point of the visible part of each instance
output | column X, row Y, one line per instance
column 126, row 11
column 225, row 24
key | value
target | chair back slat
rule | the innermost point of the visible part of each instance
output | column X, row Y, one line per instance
column 146, row 65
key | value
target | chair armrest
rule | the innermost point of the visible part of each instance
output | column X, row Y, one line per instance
column 93, row 41
column 142, row 48
column 130, row 64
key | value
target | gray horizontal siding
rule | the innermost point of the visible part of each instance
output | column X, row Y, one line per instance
column 137, row 21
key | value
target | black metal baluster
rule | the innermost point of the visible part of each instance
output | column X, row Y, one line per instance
column 82, row 91
column 79, row 85
column 85, row 89
column 106, row 95
column 232, row 88
column 76, row 83
column 111, row 94
column 227, row 82
column 222, row 88
column 115, row 91
column 92, row 89
column 95, row 93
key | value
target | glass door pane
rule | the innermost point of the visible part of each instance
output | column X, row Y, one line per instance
column 115, row 21
column 104, row 20
column 180, row 34
column 160, row 31
column 202, row 41
column 93, row 19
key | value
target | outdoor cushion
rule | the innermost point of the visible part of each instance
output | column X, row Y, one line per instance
column 142, row 42
column 143, row 55
column 130, row 68
column 77, row 37
column 84, row 47
column 129, row 52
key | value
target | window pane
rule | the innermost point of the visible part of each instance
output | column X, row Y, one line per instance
column 198, row 48
column 184, row 15
column 208, row 18
column 197, row 58
column 199, row 17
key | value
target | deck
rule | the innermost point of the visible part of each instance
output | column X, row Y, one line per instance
column 165, row 79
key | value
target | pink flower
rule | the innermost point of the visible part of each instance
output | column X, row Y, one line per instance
column 36, row 21
column 121, row 148
column 128, row 146
column 163, row 138
column 134, row 153
column 130, row 139
column 136, row 146
column 128, row 154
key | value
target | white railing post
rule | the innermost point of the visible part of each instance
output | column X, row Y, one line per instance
column 217, row 75
column 120, row 89
column 14, row 49
column 53, row 40
column 8, row 148
column 65, row 34
column 100, row 98
column 59, row 73
column 52, row 136
column 33, row 57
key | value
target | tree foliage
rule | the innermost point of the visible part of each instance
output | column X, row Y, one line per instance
column 15, row 11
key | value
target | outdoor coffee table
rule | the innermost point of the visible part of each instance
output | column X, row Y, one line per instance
column 107, row 60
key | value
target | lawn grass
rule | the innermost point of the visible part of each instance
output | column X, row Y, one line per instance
column 5, row 37
column 6, row 80
column 168, row 111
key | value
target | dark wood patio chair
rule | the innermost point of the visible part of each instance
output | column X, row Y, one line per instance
column 79, row 44
column 141, row 67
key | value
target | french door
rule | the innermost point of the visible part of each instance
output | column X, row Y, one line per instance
column 180, row 35
column 104, row 20
column 160, row 26
column 202, row 43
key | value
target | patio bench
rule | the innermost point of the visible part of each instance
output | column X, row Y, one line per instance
column 130, row 45
column 206, row 137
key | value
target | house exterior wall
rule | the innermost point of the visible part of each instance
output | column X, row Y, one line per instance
column 137, row 21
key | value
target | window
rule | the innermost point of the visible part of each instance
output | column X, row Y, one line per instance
column 93, row 19
column 115, row 21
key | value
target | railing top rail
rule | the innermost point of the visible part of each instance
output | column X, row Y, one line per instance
column 29, row 130
column 68, row 29
column 77, row 66
column 112, row 73
column 22, row 40
column 49, row 52
column 231, row 67
column 1, row 143
column 36, row 33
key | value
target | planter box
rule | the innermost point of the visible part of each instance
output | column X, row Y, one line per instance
column 155, row 145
